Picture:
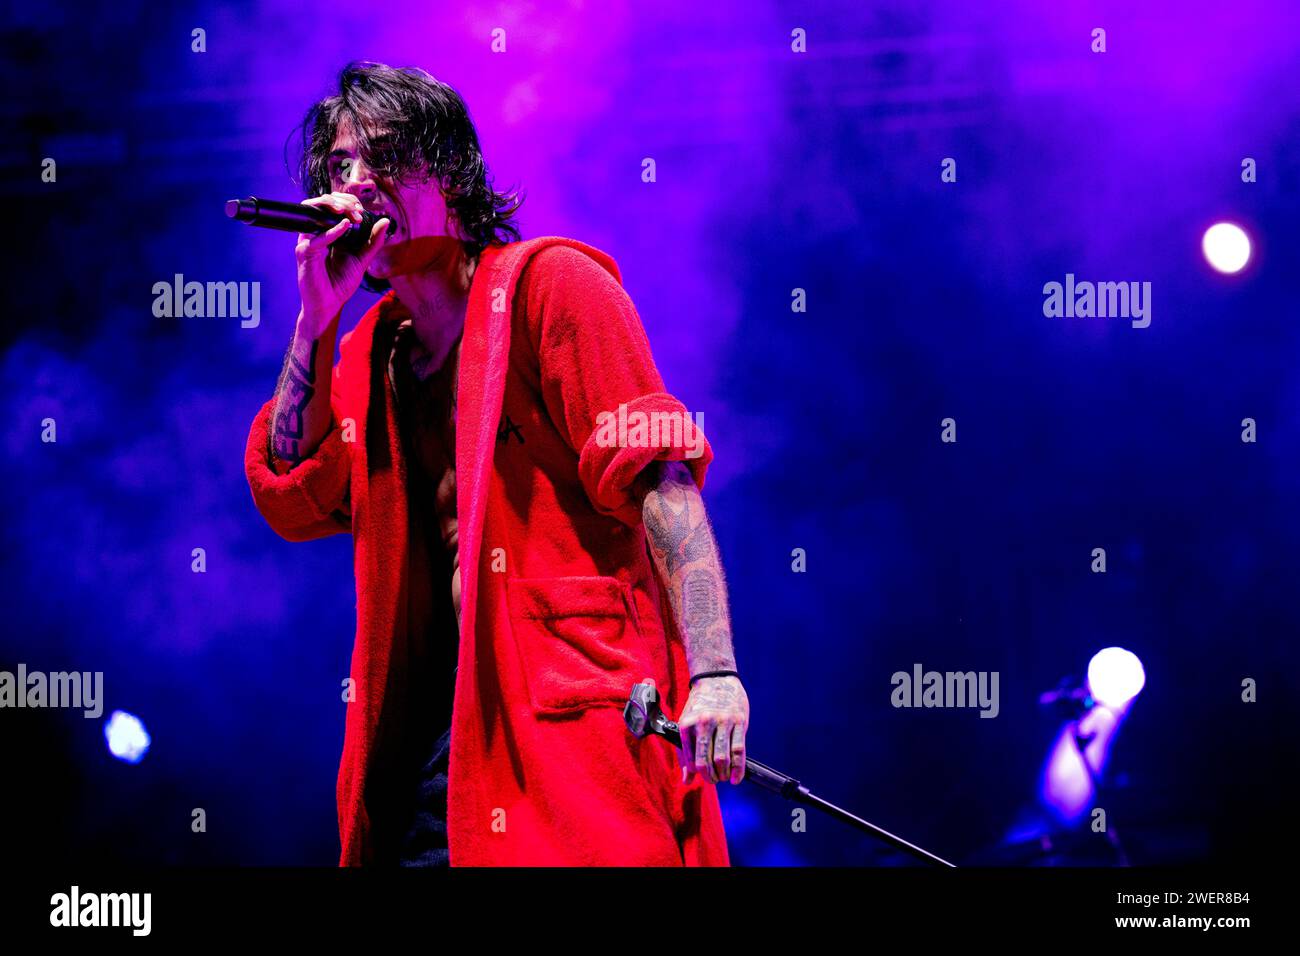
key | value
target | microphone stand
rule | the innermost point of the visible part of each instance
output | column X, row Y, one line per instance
column 643, row 716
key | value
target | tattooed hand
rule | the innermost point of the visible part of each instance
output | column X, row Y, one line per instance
column 713, row 726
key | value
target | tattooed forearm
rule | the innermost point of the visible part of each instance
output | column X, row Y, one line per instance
column 683, row 547
column 715, row 718
column 302, row 412
column 294, row 394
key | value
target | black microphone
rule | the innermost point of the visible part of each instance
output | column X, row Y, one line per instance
column 295, row 217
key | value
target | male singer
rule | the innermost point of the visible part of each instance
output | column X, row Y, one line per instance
column 458, row 430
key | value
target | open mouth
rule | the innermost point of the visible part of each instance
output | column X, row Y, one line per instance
column 393, row 228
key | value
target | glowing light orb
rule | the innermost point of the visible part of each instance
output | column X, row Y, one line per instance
column 1226, row 247
column 126, row 736
column 1115, row 676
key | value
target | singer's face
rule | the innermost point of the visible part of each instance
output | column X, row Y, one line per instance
column 422, row 235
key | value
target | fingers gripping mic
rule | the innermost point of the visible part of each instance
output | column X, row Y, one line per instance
column 643, row 716
column 295, row 217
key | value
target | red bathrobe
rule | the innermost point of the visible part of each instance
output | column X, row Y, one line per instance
column 562, row 607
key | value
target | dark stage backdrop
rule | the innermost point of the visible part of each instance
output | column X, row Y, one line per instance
column 854, row 211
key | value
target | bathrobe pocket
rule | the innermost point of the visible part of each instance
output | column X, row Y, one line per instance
column 578, row 641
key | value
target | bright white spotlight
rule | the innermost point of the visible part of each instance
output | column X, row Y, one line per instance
column 126, row 736
column 1226, row 247
column 1115, row 676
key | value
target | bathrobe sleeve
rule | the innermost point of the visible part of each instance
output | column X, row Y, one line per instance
column 593, row 356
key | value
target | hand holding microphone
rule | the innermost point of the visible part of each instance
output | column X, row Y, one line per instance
column 326, row 278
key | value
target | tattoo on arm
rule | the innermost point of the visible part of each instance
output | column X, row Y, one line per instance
column 683, row 547
column 296, row 388
column 700, row 599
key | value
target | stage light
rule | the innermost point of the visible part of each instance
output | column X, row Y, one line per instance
column 1115, row 676
column 1226, row 247
column 126, row 736
column 1078, row 758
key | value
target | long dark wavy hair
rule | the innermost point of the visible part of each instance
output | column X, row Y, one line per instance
column 426, row 131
